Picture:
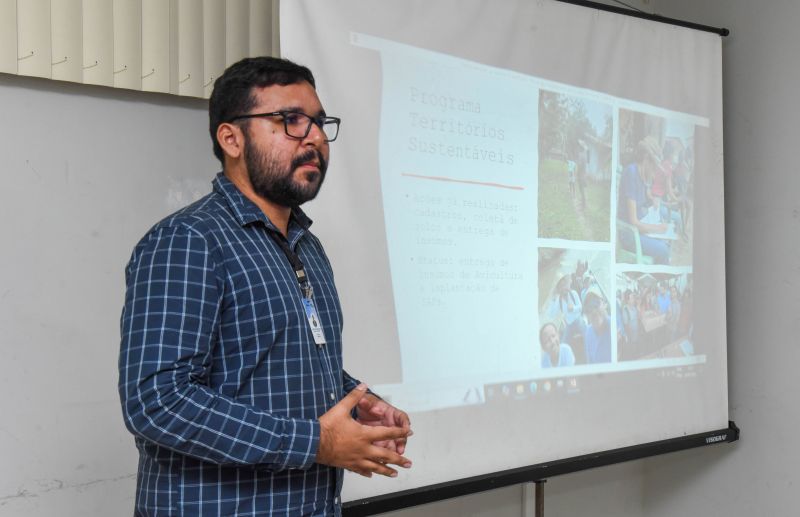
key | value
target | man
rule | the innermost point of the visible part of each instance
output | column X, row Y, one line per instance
column 598, row 332
column 231, row 372
column 566, row 306
column 583, row 164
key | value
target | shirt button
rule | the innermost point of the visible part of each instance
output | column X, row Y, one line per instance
column 336, row 501
column 333, row 397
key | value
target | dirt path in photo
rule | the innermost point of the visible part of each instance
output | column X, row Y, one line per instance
column 580, row 213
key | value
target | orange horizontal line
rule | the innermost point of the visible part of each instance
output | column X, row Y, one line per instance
column 469, row 182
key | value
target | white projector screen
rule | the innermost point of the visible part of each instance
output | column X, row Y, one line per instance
column 524, row 211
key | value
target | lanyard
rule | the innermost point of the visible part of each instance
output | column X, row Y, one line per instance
column 297, row 264
column 308, row 293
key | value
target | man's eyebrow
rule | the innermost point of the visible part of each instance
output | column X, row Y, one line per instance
column 298, row 109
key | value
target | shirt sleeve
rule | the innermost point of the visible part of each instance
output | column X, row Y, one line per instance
column 349, row 383
column 168, row 324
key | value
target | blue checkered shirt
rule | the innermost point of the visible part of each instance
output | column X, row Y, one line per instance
column 220, row 380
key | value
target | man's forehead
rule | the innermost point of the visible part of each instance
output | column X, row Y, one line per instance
column 276, row 97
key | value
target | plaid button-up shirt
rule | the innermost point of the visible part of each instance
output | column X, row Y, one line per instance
column 220, row 380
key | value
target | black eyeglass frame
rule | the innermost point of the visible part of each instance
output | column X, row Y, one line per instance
column 318, row 121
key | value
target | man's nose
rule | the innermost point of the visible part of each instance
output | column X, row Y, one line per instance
column 315, row 135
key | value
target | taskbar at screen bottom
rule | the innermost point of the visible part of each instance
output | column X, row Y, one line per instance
column 556, row 383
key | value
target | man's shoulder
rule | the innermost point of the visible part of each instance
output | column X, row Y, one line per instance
column 206, row 215
column 203, row 218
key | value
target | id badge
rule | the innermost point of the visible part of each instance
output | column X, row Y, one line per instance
column 313, row 321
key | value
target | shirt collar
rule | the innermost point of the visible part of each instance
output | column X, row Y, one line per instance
column 246, row 212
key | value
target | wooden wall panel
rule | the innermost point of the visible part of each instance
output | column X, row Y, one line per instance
column 190, row 48
column 8, row 36
column 260, row 27
column 237, row 30
column 155, row 45
column 33, row 38
column 213, row 43
column 66, row 19
column 128, row 44
column 98, row 42
column 169, row 46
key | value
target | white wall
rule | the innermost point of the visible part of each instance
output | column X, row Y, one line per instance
column 86, row 170
column 758, row 475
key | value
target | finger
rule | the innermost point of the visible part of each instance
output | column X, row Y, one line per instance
column 379, row 432
column 378, row 468
column 365, row 404
column 400, row 445
column 402, row 419
column 385, row 457
column 386, row 444
column 364, row 473
column 352, row 399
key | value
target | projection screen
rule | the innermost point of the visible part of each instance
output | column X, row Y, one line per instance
column 524, row 212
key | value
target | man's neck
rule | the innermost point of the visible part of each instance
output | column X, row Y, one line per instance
column 277, row 214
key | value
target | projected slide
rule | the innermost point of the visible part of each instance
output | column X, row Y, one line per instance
column 520, row 225
column 525, row 215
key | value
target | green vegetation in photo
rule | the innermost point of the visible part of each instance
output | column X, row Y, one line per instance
column 561, row 216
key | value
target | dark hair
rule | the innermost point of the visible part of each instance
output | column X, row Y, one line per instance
column 669, row 148
column 233, row 90
column 548, row 324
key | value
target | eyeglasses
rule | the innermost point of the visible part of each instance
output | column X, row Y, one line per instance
column 297, row 124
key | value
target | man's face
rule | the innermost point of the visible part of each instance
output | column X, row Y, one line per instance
column 550, row 339
column 597, row 317
column 284, row 170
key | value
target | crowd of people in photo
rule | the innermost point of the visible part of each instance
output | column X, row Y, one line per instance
column 650, row 318
column 577, row 329
column 651, row 315
column 654, row 197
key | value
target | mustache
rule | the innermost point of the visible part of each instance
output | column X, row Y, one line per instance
column 310, row 156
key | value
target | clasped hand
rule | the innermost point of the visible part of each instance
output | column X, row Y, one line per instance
column 368, row 444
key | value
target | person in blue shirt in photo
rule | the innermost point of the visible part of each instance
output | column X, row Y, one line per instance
column 597, row 339
column 634, row 204
column 566, row 306
column 554, row 352
column 663, row 299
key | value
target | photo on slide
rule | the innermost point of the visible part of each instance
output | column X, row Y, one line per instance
column 574, row 167
column 574, row 317
column 655, row 316
column 655, row 194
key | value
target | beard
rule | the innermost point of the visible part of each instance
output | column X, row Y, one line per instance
column 274, row 182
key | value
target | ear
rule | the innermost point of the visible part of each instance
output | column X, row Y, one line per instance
column 231, row 139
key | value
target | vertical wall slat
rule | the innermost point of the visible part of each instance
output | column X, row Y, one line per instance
column 128, row 44
column 33, row 38
column 260, row 28
column 8, row 36
column 213, row 43
column 66, row 18
column 173, row 46
column 155, row 45
column 190, row 48
column 276, row 28
column 237, row 30
column 98, row 42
